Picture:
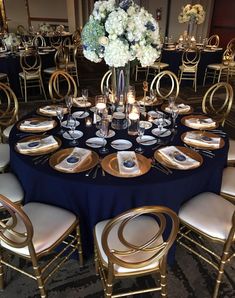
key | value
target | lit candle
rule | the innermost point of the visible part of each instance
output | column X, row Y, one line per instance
column 193, row 39
column 88, row 122
column 150, row 119
column 100, row 106
column 133, row 116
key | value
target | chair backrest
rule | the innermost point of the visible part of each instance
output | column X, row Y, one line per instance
column 55, row 40
column 174, row 84
column 106, row 82
column 213, row 40
column 191, row 58
column 61, row 58
column 8, row 106
column 218, row 101
column 61, row 84
column 231, row 44
column 18, row 230
column 154, row 249
column 39, row 41
column 76, row 37
column 228, row 56
column 30, row 61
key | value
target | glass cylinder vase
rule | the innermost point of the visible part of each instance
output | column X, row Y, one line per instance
column 191, row 27
column 120, row 83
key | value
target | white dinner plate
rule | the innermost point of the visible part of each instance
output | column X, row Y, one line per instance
column 69, row 135
column 121, row 144
column 167, row 122
column 80, row 114
column 155, row 114
column 110, row 135
column 146, row 140
column 96, row 142
column 161, row 133
column 66, row 124
column 147, row 124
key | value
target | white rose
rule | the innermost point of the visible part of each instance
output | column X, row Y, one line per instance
column 103, row 40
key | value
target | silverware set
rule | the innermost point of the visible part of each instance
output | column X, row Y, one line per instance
column 219, row 132
column 95, row 171
column 205, row 152
column 162, row 168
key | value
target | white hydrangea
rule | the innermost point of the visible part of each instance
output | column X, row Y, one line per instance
column 116, row 22
column 117, row 53
column 92, row 56
column 192, row 12
column 147, row 55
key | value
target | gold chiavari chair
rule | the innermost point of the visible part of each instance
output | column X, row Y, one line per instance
column 34, row 231
column 139, row 69
column 217, row 101
column 217, row 70
column 206, row 219
column 134, row 244
column 231, row 44
column 31, row 76
column 173, row 88
column 55, row 40
column 61, row 84
column 9, row 108
column 4, row 78
column 106, row 82
column 228, row 186
column 39, row 41
column 156, row 67
column 11, row 188
column 213, row 41
column 61, row 60
column 189, row 67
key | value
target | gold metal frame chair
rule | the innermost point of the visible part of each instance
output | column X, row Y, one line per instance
column 55, row 40
column 30, row 62
column 39, row 41
column 213, row 41
column 57, row 91
column 139, row 68
column 215, row 106
column 21, row 235
column 132, row 244
column 61, row 60
column 156, row 67
column 189, row 67
column 9, row 108
column 174, row 84
column 217, row 70
column 106, row 81
column 205, row 219
column 4, row 78
column 231, row 44
column 227, row 190
column 231, row 153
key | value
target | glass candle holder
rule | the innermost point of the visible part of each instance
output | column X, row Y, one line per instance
column 88, row 122
column 133, row 118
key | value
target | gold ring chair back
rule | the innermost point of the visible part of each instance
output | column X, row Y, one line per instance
column 55, row 40
column 106, row 82
column 129, row 252
column 231, row 44
column 76, row 37
column 39, row 41
column 213, row 41
column 217, row 101
column 61, row 84
column 61, row 58
column 174, row 84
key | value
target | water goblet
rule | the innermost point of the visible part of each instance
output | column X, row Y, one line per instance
column 104, row 131
column 100, row 104
column 174, row 115
column 85, row 96
column 171, row 101
column 60, row 116
column 69, row 102
column 72, row 126
column 141, row 130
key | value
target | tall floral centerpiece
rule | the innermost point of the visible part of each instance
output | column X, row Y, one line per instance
column 193, row 14
column 120, row 32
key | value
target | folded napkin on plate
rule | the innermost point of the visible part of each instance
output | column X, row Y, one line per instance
column 128, row 163
column 201, row 140
column 37, row 125
column 182, row 108
column 177, row 158
column 200, row 123
column 76, row 158
column 147, row 101
column 51, row 110
column 80, row 102
column 37, row 145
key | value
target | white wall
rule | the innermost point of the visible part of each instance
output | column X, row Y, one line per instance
column 16, row 13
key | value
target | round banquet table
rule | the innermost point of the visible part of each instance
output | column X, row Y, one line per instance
column 106, row 196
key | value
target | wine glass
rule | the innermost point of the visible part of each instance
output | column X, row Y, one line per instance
column 85, row 96
column 174, row 115
column 69, row 102
column 60, row 116
column 72, row 126
column 171, row 101
column 104, row 131
column 141, row 130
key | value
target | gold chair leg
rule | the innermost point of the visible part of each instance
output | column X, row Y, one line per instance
column 25, row 91
column 1, row 274
column 96, row 261
column 163, row 278
column 43, row 90
column 109, row 285
column 79, row 246
column 39, row 279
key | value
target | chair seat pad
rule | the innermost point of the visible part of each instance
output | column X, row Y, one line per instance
column 231, row 151
column 137, row 232
column 160, row 65
column 228, row 181
column 217, row 66
column 71, row 65
column 29, row 76
column 7, row 130
column 4, row 156
column 49, row 223
column 10, row 187
column 3, row 75
column 50, row 69
column 208, row 213
column 187, row 68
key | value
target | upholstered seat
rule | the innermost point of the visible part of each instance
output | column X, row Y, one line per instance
column 187, row 68
column 4, row 156
column 3, row 76
column 11, row 188
column 7, row 130
column 231, row 151
column 228, row 183
column 217, row 66
column 137, row 232
column 49, row 224
column 208, row 213
column 50, row 70
column 29, row 76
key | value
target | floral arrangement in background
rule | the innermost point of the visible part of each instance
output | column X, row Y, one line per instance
column 45, row 28
column 119, row 32
column 11, row 39
column 192, row 12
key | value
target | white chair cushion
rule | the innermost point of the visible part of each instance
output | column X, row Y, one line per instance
column 209, row 213
column 137, row 232
column 3, row 76
column 160, row 65
column 187, row 68
column 7, row 130
column 4, row 156
column 10, row 187
column 228, row 181
column 50, row 69
column 29, row 76
column 231, row 151
column 217, row 66
column 49, row 224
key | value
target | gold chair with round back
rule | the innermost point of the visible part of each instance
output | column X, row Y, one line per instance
column 39, row 41
column 61, row 60
column 106, row 82
column 156, row 67
column 134, row 244
column 213, row 41
column 217, row 101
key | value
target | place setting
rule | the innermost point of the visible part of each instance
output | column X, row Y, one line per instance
column 51, row 110
column 201, row 122
column 36, row 124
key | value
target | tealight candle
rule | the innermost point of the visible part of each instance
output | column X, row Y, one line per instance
column 88, row 121
column 133, row 116
column 150, row 119
column 100, row 106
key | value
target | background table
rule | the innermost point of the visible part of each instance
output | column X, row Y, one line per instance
column 97, row 199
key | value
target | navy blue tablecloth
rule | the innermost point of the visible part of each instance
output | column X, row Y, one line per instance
column 102, row 198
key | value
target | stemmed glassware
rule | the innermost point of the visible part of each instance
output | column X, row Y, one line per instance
column 171, row 101
column 100, row 104
column 104, row 131
column 69, row 103
column 72, row 126
column 60, row 116
column 85, row 97
column 174, row 115
column 141, row 130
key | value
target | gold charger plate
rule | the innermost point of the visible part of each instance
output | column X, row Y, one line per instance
column 47, row 113
column 165, row 105
column 110, row 165
column 39, row 151
column 60, row 155
column 189, row 152
column 206, row 134
column 36, row 119
column 200, row 117
column 157, row 102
